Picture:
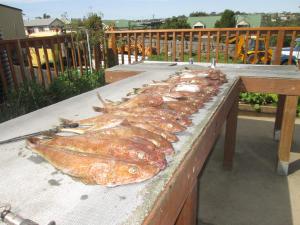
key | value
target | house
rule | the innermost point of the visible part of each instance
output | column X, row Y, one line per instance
column 251, row 20
column 11, row 22
column 41, row 25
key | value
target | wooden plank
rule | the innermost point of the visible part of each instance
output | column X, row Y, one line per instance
column 287, row 131
column 40, row 71
column 208, row 47
column 166, row 46
column 122, row 50
column 281, row 86
column 218, row 45
column 199, row 46
column 279, row 116
column 170, row 202
column 84, row 52
column 129, row 48
column 158, row 43
column 79, row 58
column 29, row 60
column 191, row 45
column 246, row 46
column 279, row 45
column 226, row 47
column 143, row 46
column 267, row 45
column 135, row 47
column 210, row 29
column 73, row 52
column 61, row 61
column 11, row 66
column 182, row 47
column 49, row 78
column 21, row 60
column 174, row 47
column 292, row 45
column 189, row 212
column 256, row 47
column 150, row 44
column 236, row 47
column 3, row 79
column 54, row 58
column 230, row 135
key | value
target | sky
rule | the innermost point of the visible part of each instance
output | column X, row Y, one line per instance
column 145, row 9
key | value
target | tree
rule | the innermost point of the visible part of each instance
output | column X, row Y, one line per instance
column 227, row 19
column 196, row 14
column 175, row 23
column 46, row 16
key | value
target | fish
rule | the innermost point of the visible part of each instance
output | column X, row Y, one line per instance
column 92, row 168
column 127, row 131
column 121, row 148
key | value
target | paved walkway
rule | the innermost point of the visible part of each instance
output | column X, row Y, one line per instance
column 252, row 193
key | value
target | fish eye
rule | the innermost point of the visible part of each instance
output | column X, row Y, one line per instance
column 133, row 170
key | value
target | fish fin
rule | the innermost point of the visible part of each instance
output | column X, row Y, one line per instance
column 101, row 99
column 68, row 123
column 32, row 141
column 99, row 109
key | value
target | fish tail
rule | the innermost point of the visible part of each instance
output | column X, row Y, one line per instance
column 101, row 99
column 67, row 123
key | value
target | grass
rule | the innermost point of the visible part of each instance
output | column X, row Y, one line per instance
column 32, row 96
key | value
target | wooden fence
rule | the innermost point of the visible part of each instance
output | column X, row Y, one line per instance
column 44, row 58
column 203, row 44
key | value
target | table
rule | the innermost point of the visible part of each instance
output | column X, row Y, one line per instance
column 38, row 192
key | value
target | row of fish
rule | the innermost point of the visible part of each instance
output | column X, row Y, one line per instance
column 129, row 140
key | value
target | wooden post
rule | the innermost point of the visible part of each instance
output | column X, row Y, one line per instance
column 279, row 115
column 230, row 136
column 61, row 61
column 191, row 45
column 226, row 47
column 73, row 52
column 182, row 47
column 218, row 45
column 256, row 47
column 246, row 47
column 158, row 43
column 188, row 214
column 40, row 71
column 174, row 47
column 199, row 46
column 236, row 47
column 3, row 79
column 49, row 78
column 135, row 48
column 79, row 58
column 267, row 47
column 11, row 66
column 122, row 49
column 208, row 47
column 287, row 132
column 143, row 45
column 54, row 58
column 166, row 46
column 129, row 48
column 279, row 45
column 150, row 43
column 21, row 60
column 29, row 59
column 292, row 45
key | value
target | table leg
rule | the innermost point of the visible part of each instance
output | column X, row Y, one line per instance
column 188, row 214
column 287, row 131
column 279, row 115
column 230, row 135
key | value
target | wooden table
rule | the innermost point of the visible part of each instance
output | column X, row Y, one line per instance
column 178, row 203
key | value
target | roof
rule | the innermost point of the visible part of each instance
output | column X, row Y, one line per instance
column 254, row 20
column 40, row 22
column 208, row 21
column 10, row 7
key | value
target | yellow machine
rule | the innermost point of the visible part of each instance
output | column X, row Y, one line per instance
column 249, row 56
column 41, row 50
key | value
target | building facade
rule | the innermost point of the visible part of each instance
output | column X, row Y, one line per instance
column 43, row 25
column 11, row 23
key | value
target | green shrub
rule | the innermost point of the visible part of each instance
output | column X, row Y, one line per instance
column 32, row 96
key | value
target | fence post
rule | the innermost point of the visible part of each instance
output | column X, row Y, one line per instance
column 279, row 45
column 112, row 51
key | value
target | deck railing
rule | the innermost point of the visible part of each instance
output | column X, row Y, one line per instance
column 223, row 44
column 44, row 58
